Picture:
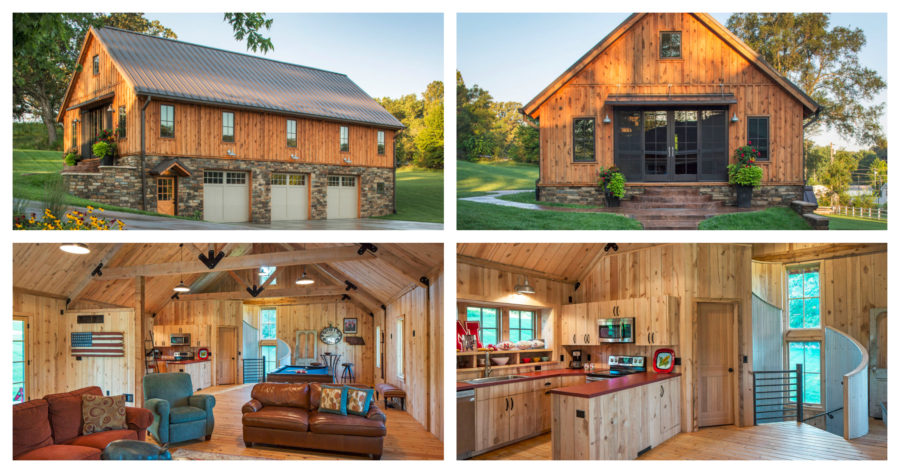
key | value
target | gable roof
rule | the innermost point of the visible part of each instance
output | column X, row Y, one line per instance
column 177, row 70
column 726, row 35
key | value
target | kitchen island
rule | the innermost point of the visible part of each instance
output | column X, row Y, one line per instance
column 200, row 371
column 615, row 419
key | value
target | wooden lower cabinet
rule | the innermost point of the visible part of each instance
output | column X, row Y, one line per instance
column 201, row 373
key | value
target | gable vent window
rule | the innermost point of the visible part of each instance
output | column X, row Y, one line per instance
column 670, row 45
column 89, row 319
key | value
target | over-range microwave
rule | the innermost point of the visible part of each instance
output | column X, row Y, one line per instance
column 180, row 339
column 617, row 330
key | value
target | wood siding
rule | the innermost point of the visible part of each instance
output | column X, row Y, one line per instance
column 631, row 65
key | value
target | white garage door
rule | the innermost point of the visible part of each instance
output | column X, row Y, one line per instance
column 289, row 196
column 226, row 196
column 342, row 197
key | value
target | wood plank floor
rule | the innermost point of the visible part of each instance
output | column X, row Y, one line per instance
column 406, row 439
column 779, row 441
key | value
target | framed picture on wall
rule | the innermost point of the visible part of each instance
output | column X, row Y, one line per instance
column 350, row 325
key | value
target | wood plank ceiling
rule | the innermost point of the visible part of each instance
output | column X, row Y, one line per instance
column 42, row 268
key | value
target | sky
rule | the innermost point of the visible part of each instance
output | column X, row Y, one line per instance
column 374, row 50
column 515, row 55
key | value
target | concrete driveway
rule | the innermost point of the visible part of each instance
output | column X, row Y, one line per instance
column 152, row 222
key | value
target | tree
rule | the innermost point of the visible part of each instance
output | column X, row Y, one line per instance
column 136, row 22
column 430, row 141
column 878, row 174
column 824, row 62
column 837, row 174
column 526, row 144
column 247, row 25
column 474, row 121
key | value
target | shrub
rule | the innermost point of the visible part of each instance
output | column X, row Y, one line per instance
column 744, row 171
column 71, row 159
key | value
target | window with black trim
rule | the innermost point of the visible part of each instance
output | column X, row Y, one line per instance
column 167, row 121
column 758, row 135
column 345, row 139
column 292, row 133
column 228, row 127
column 670, row 45
column 379, row 188
column 583, row 140
column 74, row 134
column 122, row 121
column 380, row 142
column 95, row 64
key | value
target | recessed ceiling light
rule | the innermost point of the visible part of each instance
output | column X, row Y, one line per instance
column 75, row 248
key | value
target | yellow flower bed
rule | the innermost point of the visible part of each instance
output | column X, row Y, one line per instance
column 72, row 220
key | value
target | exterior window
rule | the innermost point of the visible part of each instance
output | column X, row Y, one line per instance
column 95, row 64
column 758, row 135
column 74, row 134
column 670, row 45
column 292, row 133
column 583, row 140
column 803, row 297
column 213, row 177
column 228, row 127
column 399, row 344
column 167, row 121
column 809, row 354
column 235, row 178
column 278, row 180
column 488, row 323
column 18, row 360
column 379, row 188
column 521, row 325
column 296, row 179
column 380, row 142
column 122, row 121
column 348, row 181
column 268, row 319
column 345, row 139
column 334, row 181
column 270, row 354
column 265, row 272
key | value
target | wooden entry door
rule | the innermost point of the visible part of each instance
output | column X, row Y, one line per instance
column 165, row 195
column 715, row 364
column 226, row 358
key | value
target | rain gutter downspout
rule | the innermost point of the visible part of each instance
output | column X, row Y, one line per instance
column 143, row 138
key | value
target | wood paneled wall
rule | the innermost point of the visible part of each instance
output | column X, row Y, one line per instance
column 631, row 65
column 53, row 369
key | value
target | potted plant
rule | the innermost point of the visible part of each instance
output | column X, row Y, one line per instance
column 612, row 182
column 744, row 174
column 104, row 146
column 71, row 158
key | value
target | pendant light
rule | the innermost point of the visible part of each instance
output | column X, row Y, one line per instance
column 181, row 287
column 305, row 280
column 524, row 288
column 75, row 248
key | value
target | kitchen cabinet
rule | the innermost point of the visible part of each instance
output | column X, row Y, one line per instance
column 579, row 323
column 201, row 373
column 161, row 336
column 656, row 321
column 543, row 390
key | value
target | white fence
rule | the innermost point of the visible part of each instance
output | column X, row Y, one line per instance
column 873, row 213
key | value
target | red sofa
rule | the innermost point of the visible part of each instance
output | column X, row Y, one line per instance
column 50, row 428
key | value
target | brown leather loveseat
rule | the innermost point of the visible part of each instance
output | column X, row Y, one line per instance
column 288, row 414
column 51, row 428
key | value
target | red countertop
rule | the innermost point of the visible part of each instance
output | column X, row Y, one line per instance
column 608, row 386
column 461, row 385
column 184, row 362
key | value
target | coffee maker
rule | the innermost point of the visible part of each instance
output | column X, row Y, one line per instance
column 576, row 360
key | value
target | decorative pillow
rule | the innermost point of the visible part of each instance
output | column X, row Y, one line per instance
column 102, row 413
column 334, row 400
column 358, row 400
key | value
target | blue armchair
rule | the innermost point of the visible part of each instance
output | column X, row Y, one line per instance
column 178, row 413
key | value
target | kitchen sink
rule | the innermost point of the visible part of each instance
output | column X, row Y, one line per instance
column 494, row 379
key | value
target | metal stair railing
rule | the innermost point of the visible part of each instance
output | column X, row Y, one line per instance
column 778, row 395
column 254, row 370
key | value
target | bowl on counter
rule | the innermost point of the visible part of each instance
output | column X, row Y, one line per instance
column 500, row 360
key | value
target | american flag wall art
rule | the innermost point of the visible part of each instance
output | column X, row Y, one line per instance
column 98, row 344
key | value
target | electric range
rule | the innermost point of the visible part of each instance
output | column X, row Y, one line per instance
column 620, row 366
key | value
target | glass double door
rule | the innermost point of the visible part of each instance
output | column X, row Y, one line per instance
column 671, row 148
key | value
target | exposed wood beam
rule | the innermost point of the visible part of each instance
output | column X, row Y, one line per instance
column 95, row 304
column 341, row 277
column 411, row 270
column 238, row 279
column 230, row 249
column 269, row 280
column 824, row 251
column 279, row 292
column 140, row 328
column 510, row 268
column 593, row 264
column 33, row 292
column 293, row 300
column 104, row 257
column 288, row 258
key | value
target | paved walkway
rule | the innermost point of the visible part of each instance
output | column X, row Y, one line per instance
column 493, row 198
column 152, row 222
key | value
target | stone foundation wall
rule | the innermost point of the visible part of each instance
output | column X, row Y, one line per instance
column 120, row 185
column 582, row 195
column 763, row 196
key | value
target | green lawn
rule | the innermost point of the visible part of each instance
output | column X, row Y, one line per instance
column 420, row 196
column 855, row 223
column 528, row 198
column 478, row 216
column 773, row 218
column 477, row 178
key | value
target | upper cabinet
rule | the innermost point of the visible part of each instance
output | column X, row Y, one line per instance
column 655, row 320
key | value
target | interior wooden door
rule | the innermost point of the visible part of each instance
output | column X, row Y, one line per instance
column 226, row 358
column 165, row 195
column 715, row 370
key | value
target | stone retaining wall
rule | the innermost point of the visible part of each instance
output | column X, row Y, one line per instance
column 763, row 196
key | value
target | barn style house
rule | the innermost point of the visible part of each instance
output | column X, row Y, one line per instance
column 667, row 98
column 225, row 136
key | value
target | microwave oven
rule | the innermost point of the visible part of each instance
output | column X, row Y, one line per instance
column 180, row 339
column 617, row 330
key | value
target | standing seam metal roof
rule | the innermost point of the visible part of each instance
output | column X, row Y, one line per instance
column 179, row 70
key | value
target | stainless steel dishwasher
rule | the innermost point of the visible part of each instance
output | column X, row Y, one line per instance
column 465, row 424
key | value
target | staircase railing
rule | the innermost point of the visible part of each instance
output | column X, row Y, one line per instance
column 778, row 395
column 254, row 370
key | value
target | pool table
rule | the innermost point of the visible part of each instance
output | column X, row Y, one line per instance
column 300, row 374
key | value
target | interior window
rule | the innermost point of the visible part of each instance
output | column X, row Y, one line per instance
column 18, row 360
column 521, row 325
column 399, row 332
column 670, row 44
column 270, row 355
column 378, row 346
column 488, row 319
column 758, row 135
column 583, row 140
column 803, row 297
column 807, row 353
column 267, row 324
column 265, row 272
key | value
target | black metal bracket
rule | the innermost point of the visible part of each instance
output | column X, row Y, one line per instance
column 383, row 307
column 363, row 247
column 350, row 286
column 211, row 260
column 255, row 290
column 372, row 314
column 611, row 246
column 174, row 296
column 577, row 285
column 424, row 281
column 153, row 315
column 96, row 271
column 345, row 297
column 68, row 300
